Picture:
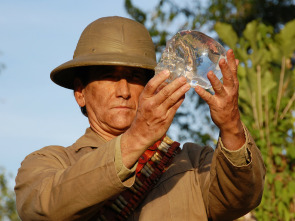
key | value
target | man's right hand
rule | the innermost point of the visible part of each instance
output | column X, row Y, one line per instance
column 157, row 106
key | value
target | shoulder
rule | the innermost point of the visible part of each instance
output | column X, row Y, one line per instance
column 52, row 155
column 51, row 150
column 197, row 148
column 198, row 154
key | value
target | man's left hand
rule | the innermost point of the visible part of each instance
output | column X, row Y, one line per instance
column 223, row 104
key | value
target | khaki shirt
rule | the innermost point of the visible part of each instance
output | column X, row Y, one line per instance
column 57, row 183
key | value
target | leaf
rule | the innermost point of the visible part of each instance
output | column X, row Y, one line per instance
column 257, row 56
column 286, row 38
column 271, row 178
column 281, row 208
column 250, row 33
column 291, row 153
column 278, row 160
column 267, row 83
column 241, row 71
column 291, row 188
column 278, row 187
column 275, row 51
column 227, row 34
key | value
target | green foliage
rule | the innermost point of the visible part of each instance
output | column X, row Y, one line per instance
column 7, row 199
column 267, row 94
column 170, row 16
column 193, row 14
column 267, row 82
column 135, row 12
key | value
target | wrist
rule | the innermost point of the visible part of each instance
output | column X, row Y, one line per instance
column 233, row 138
column 132, row 148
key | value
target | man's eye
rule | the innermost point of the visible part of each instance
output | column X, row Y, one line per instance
column 108, row 76
column 137, row 76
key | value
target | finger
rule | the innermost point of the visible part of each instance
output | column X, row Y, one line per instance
column 228, row 79
column 155, row 82
column 232, row 63
column 172, row 111
column 206, row 96
column 236, row 75
column 231, row 58
column 177, row 95
column 216, row 84
column 161, row 87
column 169, row 89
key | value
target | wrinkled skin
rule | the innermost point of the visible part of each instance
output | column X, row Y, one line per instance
column 159, row 102
column 223, row 104
column 144, row 113
column 154, row 116
column 111, row 98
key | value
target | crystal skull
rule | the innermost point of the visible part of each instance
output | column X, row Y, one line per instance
column 192, row 54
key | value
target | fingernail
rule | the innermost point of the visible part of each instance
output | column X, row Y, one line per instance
column 182, row 79
column 210, row 73
column 197, row 88
column 186, row 87
column 166, row 73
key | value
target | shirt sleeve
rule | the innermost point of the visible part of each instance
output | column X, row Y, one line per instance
column 122, row 171
column 240, row 157
column 235, row 189
column 49, row 186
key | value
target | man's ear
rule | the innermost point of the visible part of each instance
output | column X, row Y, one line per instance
column 79, row 92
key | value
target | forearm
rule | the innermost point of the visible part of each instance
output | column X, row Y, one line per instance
column 132, row 148
column 235, row 190
column 49, row 188
column 233, row 137
column 156, row 109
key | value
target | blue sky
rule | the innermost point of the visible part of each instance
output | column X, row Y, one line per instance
column 36, row 36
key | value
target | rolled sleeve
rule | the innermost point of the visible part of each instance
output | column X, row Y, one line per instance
column 122, row 171
column 240, row 157
column 236, row 180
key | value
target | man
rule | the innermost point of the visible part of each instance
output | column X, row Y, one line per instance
column 128, row 111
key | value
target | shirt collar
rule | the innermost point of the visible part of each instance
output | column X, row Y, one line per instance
column 89, row 139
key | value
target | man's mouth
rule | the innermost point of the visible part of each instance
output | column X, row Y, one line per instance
column 122, row 107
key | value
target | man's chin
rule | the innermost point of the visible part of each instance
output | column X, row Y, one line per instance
column 121, row 127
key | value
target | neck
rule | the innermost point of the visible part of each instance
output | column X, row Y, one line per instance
column 107, row 135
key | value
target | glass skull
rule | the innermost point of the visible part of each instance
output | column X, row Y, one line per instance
column 192, row 54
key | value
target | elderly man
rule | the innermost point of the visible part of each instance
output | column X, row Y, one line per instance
column 129, row 112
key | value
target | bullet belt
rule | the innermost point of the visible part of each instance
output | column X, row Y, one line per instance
column 151, row 165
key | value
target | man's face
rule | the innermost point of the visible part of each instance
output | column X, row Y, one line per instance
column 111, row 98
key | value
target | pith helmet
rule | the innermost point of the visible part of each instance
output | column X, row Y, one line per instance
column 108, row 41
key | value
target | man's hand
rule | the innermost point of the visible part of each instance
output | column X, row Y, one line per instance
column 157, row 106
column 224, row 103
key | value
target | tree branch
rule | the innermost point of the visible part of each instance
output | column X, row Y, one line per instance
column 282, row 74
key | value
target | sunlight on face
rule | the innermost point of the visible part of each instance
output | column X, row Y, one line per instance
column 112, row 97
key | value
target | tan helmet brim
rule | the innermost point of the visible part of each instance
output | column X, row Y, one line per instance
column 65, row 74
column 108, row 41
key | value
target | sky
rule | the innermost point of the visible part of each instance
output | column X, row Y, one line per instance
column 35, row 37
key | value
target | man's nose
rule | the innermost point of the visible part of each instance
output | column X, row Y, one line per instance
column 123, row 89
